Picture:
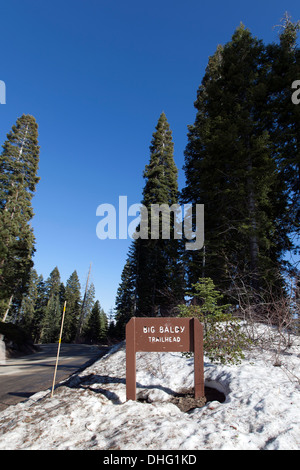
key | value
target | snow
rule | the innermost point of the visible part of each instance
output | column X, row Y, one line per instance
column 90, row 411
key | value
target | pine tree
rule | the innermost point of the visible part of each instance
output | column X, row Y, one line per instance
column 161, row 174
column 73, row 299
column 229, row 168
column 152, row 281
column 18, row 179
column 86, row 305
column 224, row 341
column 93, row 330
column 39, row 310
column 103, row 325
column 284, row 122
column 89, row 303
column 90, row 299
column 125, row 300
column 28, row 317
column 53, row 308
column 159, row 277
column 96, row 325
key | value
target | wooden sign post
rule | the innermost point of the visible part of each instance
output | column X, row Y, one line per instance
column 164, row 335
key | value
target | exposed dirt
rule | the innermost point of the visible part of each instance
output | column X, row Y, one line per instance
column 185, row 400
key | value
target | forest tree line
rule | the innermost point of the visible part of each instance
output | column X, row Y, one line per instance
column 40, row 311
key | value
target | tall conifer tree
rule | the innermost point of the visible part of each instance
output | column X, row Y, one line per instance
column 30, row 314
column 159, row 282
column 52, row 309
column 230, row 169
column 96, row 324
column 152, row 279
column 73, row 300
column 284, row 122
column 18, row 179
column 125, row 300
column 93, row 327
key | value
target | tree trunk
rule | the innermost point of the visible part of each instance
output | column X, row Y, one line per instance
column 7, row 310
column 253, row 233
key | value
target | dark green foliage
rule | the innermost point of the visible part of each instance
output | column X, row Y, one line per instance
column 224, row 340
column 33, row 306
column 231, row 169
column 85, row 309
column 73, row 299
column 159, row 274
column 161, row 172
column 126, row 300
column 96, row 325
column 284, row 121
column 152, row 279
column 52, row 309
column 40, row 313
column 18, row 179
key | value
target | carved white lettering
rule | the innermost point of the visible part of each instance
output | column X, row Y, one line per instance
column 148, row 329
column 171, row 329
column 164, row 339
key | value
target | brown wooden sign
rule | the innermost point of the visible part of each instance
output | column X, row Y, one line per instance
column 164, row 335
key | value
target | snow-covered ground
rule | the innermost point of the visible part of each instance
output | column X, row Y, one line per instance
column 261, row 411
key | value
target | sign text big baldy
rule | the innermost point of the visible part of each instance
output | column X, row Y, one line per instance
column 164, row 335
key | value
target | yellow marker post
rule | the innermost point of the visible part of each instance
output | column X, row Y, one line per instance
column 58, row 349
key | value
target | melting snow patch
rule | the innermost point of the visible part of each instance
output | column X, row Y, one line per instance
column 89, row 411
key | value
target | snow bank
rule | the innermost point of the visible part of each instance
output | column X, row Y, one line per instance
column 90, row 411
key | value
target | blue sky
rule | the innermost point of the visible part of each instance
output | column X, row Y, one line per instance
column 96, row 75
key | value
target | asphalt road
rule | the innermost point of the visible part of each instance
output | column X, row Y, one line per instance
column 22, row 377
